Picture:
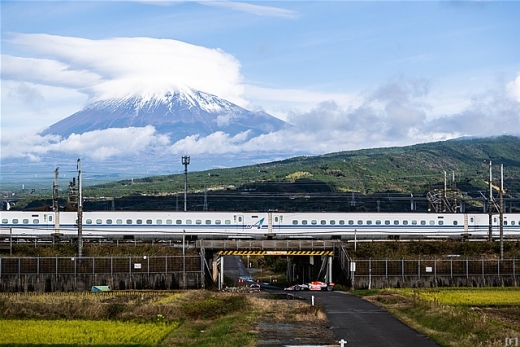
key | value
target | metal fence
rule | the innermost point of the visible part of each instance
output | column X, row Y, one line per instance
column 452, row 267
column 99, row 265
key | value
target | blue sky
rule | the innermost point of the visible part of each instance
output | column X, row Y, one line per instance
column 347, row 74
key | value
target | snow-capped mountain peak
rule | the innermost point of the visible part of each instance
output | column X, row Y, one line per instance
column 178, row 114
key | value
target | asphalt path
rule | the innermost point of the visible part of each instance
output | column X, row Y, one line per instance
column 235, row 268
column 351, row 319
column 361, row 323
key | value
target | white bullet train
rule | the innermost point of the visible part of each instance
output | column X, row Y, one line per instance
column 253, row 225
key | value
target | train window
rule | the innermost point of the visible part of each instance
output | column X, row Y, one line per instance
column 25, row 221
column 378, row 222
column 414, row 222
column 218, row 221
column 405, row 222
column 4, row 221
column 99, row 221
column 360, row 222
column 494, row 219
column 109, row 221
column 158, row 221
column 208, row 221
column 198, row 221
column 119, row 221
column 350, row 222
column 15, row 221
column 387, row 222
column 88, row 221
column 512, row 222
column 505, row 222
column 323, row 222
column 341, row 222
column 36, row 221
column 441, row 222
column 188, row 221
column 178, row 221
column 139, row 221
column 227, row 221
column 369, row 222
column 50, row 218
column 455, row 222
column 314, row 222
column 304, row 222
column 148, row 221
column 240, row 218
column 128, row 221
column 423, row 222
column 396, row 222
column 332, row 222
column 471, row 219
column 432, row 222
column 295, row 222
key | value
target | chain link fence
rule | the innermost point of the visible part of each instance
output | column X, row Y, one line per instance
column 99, row 265
column 451, row 267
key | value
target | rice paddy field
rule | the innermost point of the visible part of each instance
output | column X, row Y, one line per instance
column 455, row 317
column 151, row 319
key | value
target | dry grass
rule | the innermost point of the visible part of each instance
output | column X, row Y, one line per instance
column 454, row 326
column 204, row 318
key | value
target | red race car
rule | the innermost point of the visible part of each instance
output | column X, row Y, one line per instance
column 316, row 285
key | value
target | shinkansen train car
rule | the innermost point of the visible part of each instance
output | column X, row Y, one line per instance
column 257, row 225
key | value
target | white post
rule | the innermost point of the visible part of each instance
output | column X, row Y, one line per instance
column 221, row 273
column 329, row 276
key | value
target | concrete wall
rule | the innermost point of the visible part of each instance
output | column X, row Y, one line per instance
column 377, row 282
column 84, row 282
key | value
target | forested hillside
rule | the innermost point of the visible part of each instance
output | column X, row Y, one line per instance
column 363, row 179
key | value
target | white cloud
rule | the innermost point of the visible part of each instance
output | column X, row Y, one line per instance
column 120, row 67
column 97, row 145
column 513, row 88
column 250, row 8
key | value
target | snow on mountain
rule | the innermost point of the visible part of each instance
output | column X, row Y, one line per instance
column 177, row 114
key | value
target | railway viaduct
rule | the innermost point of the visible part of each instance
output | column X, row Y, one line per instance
column 326, row 250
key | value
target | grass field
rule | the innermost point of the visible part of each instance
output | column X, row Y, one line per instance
column 154, row 319
column 77, row 332
column 456, row 317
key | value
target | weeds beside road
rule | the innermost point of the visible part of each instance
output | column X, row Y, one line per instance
column 456, row 317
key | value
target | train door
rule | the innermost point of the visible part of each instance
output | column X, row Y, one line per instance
column 239, row 222
column 275, row 224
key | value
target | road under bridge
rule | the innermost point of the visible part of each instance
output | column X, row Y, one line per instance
column 217, row 250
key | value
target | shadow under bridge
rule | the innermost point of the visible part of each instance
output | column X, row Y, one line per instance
column 214, row 252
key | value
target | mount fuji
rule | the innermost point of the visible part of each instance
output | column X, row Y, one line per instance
column 140, row 136
column 175, row 114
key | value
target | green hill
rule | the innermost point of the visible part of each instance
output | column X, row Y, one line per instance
column 366, row 179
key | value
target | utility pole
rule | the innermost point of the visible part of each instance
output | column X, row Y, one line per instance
column 185, row 162
column 501, row 211
column 80, row 212
column 55, row 203
column 490, row 203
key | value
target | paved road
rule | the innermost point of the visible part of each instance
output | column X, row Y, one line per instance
column 352, row 319
column 361, row 323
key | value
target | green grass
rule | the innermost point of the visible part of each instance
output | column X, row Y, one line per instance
column 83, row 332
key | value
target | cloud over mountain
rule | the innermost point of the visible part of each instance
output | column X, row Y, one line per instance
column 124, row 67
